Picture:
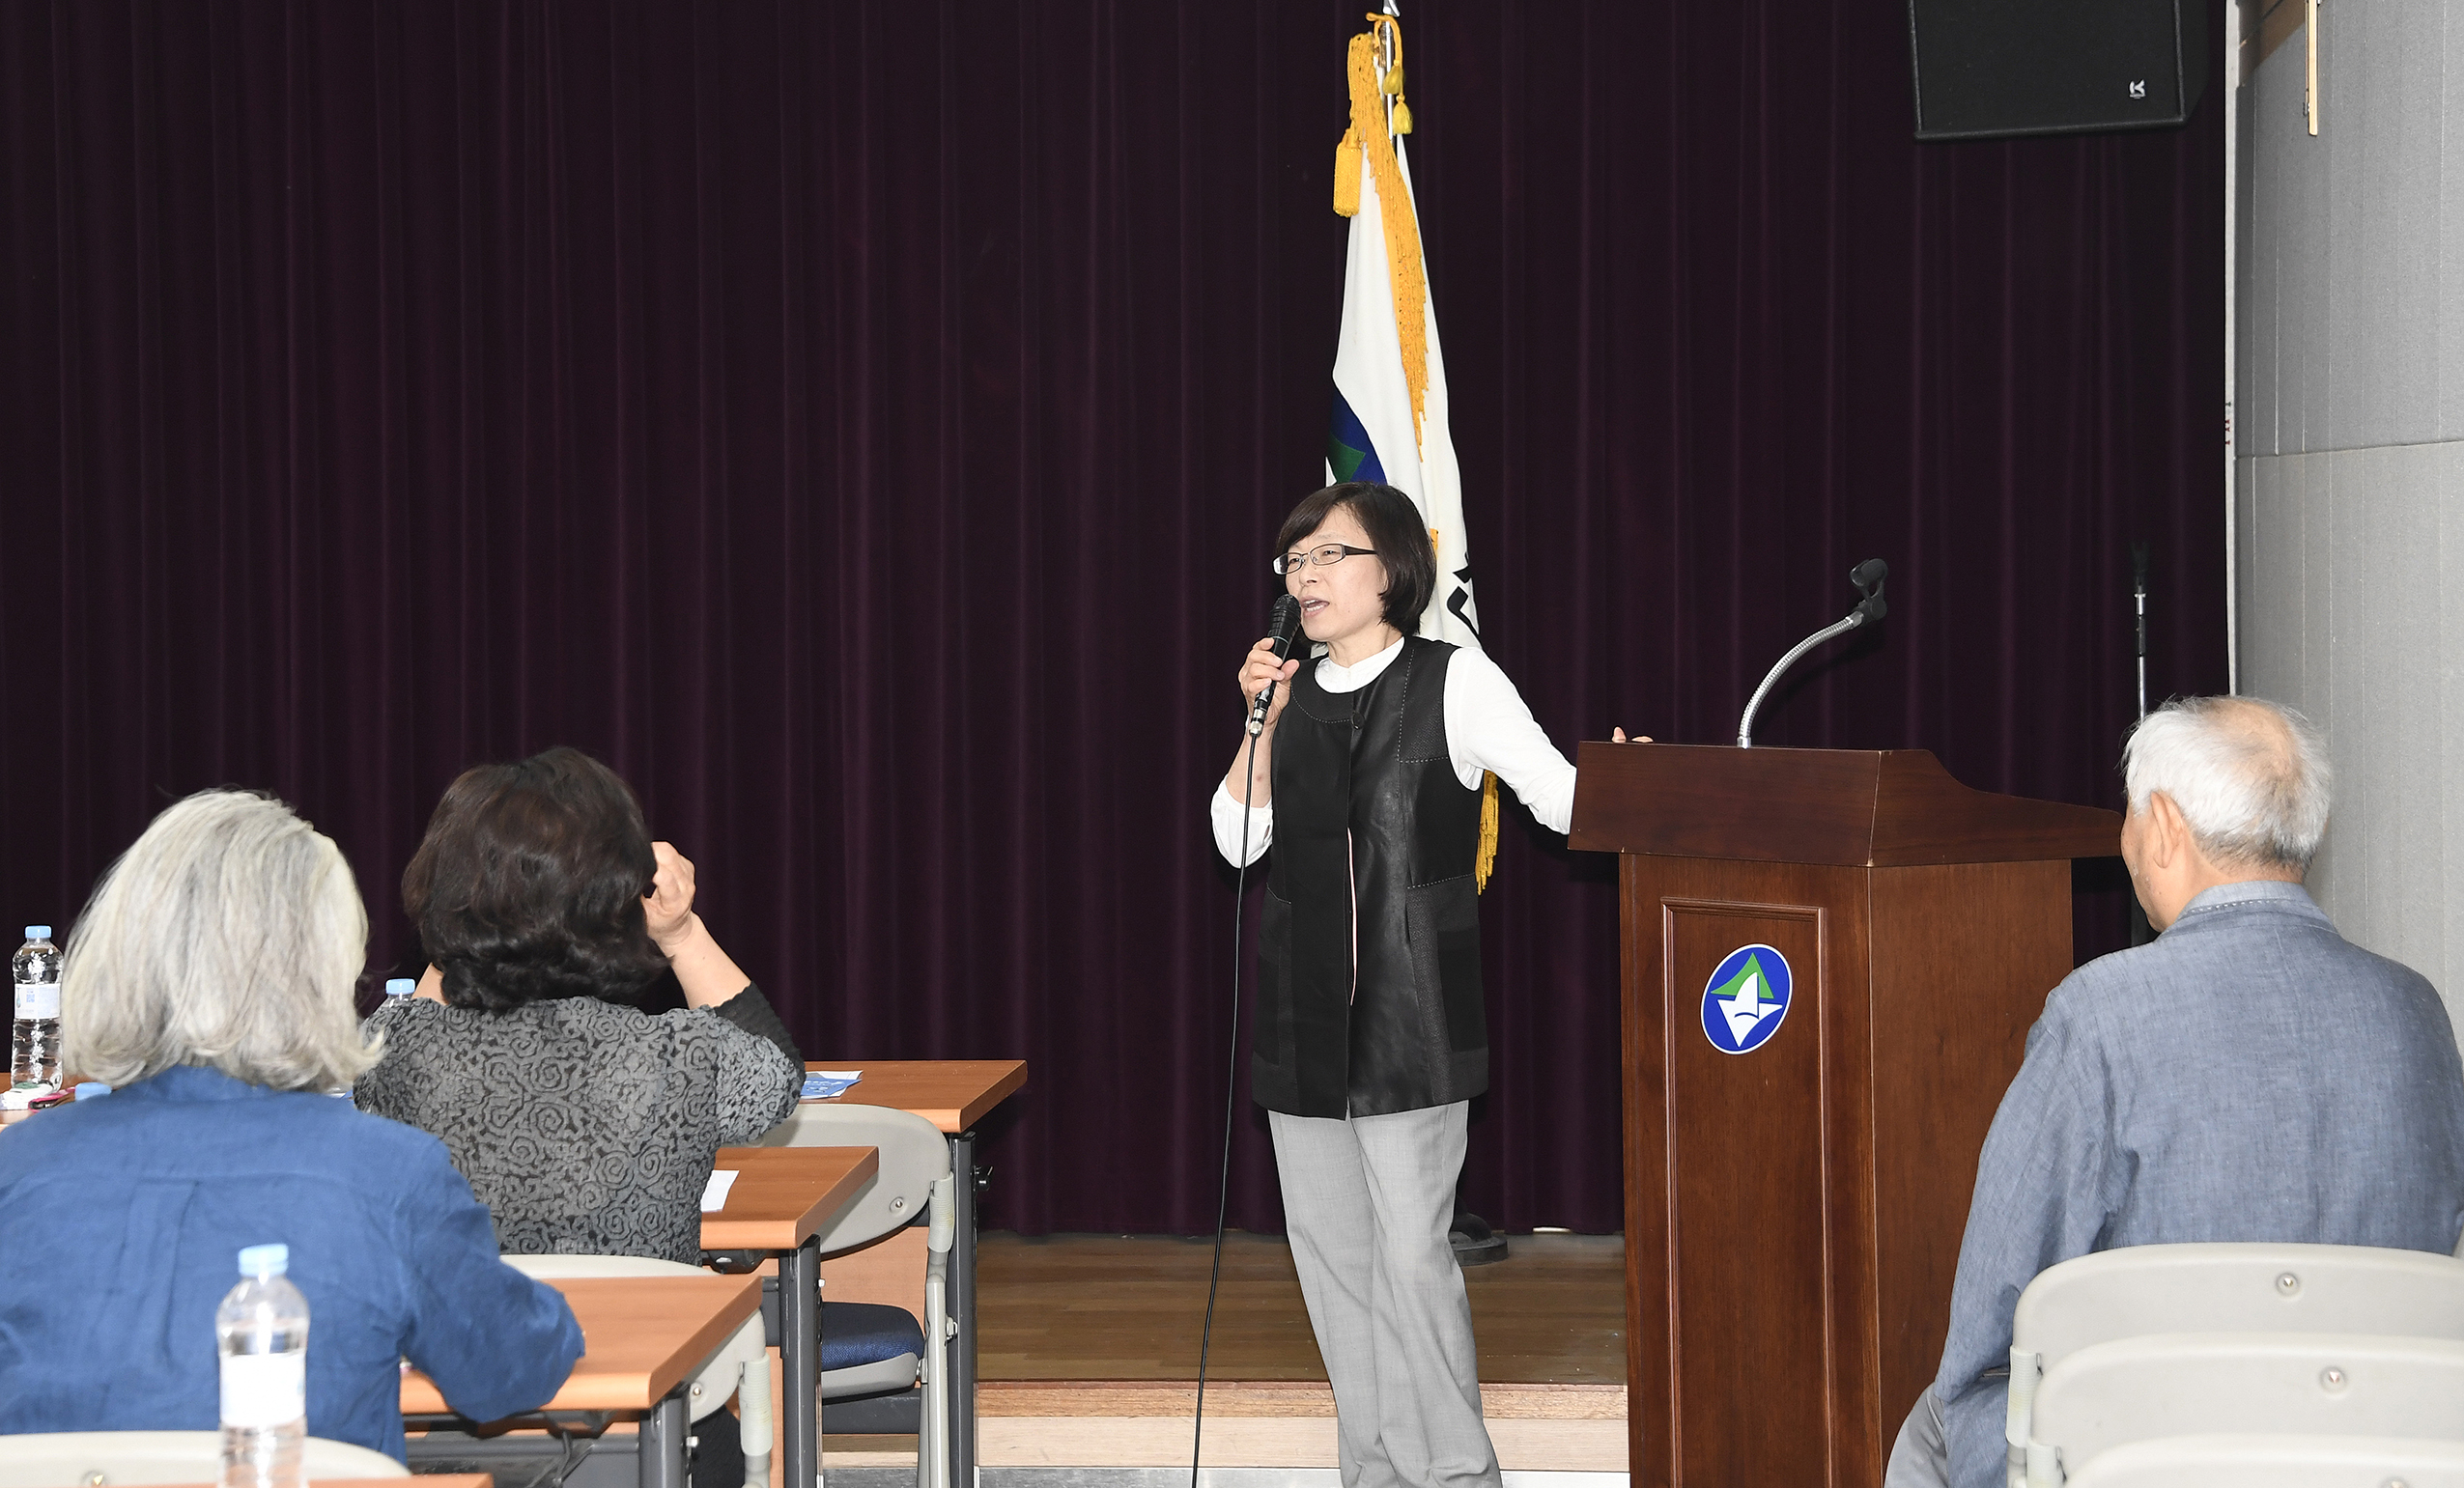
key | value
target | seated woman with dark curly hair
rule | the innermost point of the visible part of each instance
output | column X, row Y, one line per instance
column 586, row 1126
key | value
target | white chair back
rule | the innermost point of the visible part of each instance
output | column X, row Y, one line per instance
column 2169, row 1385
column 115, row 1459
column 2277, row 1462
column 740, row 1367
column 915, row 1155
column 2238, row 1288
column 2263, row 1287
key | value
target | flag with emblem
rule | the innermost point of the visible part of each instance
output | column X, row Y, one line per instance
column 1389, row 418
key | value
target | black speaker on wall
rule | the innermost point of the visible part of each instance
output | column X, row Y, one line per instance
column 1992, row 69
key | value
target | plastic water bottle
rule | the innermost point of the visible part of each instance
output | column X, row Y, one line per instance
column 34, row 1041
column 401, row 987
column 263, row 1328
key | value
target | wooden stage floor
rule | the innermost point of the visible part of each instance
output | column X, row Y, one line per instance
column 1129, row 1307
column 1088, row 1356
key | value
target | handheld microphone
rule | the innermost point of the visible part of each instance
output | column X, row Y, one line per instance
column 1283, row 625
column 1868, row 578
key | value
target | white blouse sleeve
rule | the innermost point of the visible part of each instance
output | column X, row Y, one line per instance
column 1489, row 727
column 1225, row 812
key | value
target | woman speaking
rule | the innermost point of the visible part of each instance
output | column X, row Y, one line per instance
column 1370, row 1036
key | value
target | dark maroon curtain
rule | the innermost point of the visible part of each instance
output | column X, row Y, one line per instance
column 863, row 424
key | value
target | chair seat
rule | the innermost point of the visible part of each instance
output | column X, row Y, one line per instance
column 867, row 1348
column 854, row 1334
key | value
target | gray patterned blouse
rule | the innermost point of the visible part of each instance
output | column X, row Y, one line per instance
column 585, row 1127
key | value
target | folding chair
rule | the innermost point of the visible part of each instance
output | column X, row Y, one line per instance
column 63, row 1459
column 872, row 1353
column 2223, row 1288
column 2172, row 1385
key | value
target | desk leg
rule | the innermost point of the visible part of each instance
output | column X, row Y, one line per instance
column 660, row 1449
column 800, row 1365
column 962, row 1312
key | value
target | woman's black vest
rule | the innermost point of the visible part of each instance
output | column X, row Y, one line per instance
column 1367, row 811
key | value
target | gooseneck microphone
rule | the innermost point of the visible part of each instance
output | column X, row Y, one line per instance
column 1868, row 578
column 1283, row 626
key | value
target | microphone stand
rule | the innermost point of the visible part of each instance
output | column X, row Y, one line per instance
column 2142, row 932
column 1869, row 606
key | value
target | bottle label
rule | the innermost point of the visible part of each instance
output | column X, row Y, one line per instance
column 37, row 1000
column 264, row 1390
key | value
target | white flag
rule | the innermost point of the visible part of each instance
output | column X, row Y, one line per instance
column 1373, row 434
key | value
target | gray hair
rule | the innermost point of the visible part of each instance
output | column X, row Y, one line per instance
column 230, row 933
column 2251, row 777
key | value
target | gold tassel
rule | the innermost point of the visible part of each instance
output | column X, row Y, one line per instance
column 1367, row 135
column 1487, row 860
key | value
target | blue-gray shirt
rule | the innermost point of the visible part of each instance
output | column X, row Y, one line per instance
column 2250, row 1076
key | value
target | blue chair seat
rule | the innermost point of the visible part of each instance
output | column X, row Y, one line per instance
column 866, row 1333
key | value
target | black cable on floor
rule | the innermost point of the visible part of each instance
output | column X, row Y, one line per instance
column 1231, row 1083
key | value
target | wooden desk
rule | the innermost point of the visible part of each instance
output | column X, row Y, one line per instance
column 781, row 1198
column 953, row 1095
column 642, row 1338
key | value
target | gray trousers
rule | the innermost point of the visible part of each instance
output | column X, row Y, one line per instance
column 1367, row 1201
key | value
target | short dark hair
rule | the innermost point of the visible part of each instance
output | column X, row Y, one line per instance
column 530, row 883
column 1395, row 529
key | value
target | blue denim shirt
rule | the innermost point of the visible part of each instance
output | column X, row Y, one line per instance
column 124, row 1222
column 2249, row 1076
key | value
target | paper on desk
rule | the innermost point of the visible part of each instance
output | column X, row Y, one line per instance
column 823, row 1084
column 714, row 1194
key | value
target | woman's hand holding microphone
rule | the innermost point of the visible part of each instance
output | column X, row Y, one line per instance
column 1261, row 667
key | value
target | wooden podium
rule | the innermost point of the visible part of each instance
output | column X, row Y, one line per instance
column 1794, row 1210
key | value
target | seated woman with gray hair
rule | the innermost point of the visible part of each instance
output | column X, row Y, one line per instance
column 210, row 979
column 588, row 1126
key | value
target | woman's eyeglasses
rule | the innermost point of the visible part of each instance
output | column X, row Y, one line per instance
column 1331, row 552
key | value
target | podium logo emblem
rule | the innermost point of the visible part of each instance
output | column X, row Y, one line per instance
column 1746, row 1000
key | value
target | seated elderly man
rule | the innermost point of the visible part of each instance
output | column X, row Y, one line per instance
column 2249, row 1076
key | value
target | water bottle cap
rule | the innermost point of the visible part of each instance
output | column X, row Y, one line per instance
column 400, row 987
column 38, row 932
column 262, row 1261
column 88, row 1089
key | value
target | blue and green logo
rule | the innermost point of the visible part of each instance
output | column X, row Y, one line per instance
column 1349, row 451
column 1746, row 1000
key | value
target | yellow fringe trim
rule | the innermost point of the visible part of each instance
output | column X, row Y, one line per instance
column 1487, row 860
column 1368, row 136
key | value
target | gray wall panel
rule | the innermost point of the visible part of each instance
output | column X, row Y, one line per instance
column 2447, row 307
column 2350, row 325
column 2350, row 334
column 2254, row 332
column 2446, row 805
column 2346, row 615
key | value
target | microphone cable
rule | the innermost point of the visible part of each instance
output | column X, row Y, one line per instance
column 1284, row 630
column 1232, row 1085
